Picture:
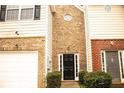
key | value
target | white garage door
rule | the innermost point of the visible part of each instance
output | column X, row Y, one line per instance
column 18, row 69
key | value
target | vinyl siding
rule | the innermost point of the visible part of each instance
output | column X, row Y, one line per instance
column 26, row 28
column 106, row 25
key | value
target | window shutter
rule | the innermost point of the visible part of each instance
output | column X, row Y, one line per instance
column 37, row 12
column 3, row 13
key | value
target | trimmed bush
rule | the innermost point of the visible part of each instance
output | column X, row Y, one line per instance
column 54, row 79
column 98, row 80
column 81, row 76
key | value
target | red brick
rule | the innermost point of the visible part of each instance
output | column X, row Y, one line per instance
column 98, row 45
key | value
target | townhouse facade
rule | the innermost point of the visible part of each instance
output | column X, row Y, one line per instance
column 24, row 45
column 107, row 40
column 68, row 42
column 37, row 39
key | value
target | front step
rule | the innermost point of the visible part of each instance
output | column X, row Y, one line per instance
column 117, row 85
column 70, row 84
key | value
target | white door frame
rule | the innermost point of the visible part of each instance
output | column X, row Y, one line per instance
column 60, row 66
column 119, row 56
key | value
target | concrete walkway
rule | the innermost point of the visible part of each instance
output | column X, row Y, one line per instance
column 70, row 84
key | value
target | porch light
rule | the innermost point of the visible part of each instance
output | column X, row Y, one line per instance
column 17, row 33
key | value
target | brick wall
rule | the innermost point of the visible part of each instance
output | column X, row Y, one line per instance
column 68, row 36
column 28, row 44
column 98, row 45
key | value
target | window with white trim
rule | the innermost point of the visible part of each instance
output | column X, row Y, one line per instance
column 26, row 13
column 15, row 12
column 12, row 14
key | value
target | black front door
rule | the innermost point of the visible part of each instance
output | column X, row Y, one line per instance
column 68, row 66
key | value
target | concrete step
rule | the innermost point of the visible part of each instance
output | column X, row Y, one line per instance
column 70, row 84
column 117, row 85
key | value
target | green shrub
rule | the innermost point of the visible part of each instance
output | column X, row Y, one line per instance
column 98, row 80
column 81, row 76
column 105, row 79
column 54, row 79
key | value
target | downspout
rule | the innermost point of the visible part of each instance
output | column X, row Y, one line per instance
column 46, row 45
column 49, row 31
column 88, row 41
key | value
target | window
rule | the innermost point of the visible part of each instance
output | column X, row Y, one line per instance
column 12, row 14
column 26, row 13
column 76, row 66
column 103, row 63
column 15, row 12
column 61, row 63
column 76, row 60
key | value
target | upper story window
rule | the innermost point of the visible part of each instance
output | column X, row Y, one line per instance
column 12, row 12
column 27, row 13
column 15, row 12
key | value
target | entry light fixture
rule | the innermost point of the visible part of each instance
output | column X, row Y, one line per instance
column 17, row 33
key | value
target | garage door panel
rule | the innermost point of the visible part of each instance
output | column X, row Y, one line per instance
column 18, row 69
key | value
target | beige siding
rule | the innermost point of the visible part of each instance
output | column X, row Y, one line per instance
column 106, row 25
column 25, row 27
